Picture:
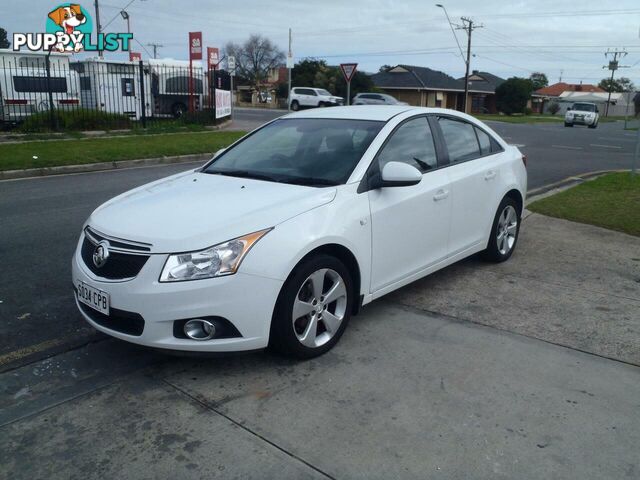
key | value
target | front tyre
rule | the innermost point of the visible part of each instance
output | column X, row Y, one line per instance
column 313, row 308
column 566, row 124
column 504, row 232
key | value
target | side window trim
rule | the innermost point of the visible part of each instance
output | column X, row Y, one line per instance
column 494, row 142
column 372, row 169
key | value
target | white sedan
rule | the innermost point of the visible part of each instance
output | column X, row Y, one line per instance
column 283, row 236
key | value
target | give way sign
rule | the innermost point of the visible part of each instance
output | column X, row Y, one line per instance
column 348, row 70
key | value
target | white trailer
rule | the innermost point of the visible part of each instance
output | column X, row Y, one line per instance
column 24, row 86
column 114, row 87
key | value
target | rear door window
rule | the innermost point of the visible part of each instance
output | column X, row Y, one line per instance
column 460, row 139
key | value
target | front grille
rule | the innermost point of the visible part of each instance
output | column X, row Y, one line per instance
column 118, row 320
column 119, row 266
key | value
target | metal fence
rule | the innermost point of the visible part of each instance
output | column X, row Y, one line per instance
column 40, row 92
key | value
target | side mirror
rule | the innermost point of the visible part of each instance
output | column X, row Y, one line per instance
column 397, row 174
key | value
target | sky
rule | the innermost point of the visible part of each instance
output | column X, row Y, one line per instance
column 561, row 38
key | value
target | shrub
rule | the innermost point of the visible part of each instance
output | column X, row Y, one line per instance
column 528, row 111
column 76, row 120
column 554, row 108
column 512, row 95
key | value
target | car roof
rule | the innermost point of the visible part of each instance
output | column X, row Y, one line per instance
column 381, row 113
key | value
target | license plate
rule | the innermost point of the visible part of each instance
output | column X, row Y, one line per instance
column 94, row 298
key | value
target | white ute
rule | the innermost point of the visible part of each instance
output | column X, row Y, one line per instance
column 582, row 113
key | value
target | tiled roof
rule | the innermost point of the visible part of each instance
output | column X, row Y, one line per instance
column 409, row 76
column 483, row 82
column 557, row 88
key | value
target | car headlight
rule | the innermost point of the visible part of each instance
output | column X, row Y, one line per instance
column 217, row 261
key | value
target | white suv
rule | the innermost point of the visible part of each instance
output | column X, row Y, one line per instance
column 313, row 97
column 582, row 113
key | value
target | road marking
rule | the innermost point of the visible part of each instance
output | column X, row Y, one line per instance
column 603, row 146
column 566, row 147
column 518, row 145
column 25, row 352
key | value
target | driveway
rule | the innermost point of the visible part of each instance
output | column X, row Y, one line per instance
column 479, row 371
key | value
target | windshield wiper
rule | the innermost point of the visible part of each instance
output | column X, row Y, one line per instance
column 311, row 181
column 242, row 174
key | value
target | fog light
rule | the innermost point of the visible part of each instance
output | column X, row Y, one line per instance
column 199, row 329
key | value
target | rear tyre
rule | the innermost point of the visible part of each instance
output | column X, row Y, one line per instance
column 568, row 124
column 295, row 106
column 178, row 110
column 504, row 232
column 322, row 105
column 313, row 308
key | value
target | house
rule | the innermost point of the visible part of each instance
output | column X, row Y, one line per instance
column 482, row 86
column 564, row 94
column 421, row 86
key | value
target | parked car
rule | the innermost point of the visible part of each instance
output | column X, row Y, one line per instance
column 375, row 99
column 313, row 97
column 582, row 113
column 282, row 237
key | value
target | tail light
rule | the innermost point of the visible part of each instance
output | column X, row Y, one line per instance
column 15, row 102
column 524, row 159
column 69, row 101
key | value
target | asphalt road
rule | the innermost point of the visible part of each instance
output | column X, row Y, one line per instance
column 41, row 220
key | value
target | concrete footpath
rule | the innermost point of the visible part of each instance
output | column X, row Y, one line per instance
column 405, row 394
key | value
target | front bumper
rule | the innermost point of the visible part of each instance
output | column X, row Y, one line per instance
column 580, row 120
column 247, row 301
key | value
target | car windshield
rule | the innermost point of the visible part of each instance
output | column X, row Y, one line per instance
column 322, row 91
column 584, row 107
column 303, row 151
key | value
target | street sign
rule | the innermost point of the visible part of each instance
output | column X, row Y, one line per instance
column 195, row 45
column 231, row 65
column 213, row 57
column 348, row 70
column 289, row 61
column 135, row 56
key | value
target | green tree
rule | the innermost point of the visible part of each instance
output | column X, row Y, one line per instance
column 513, row 94
column 4, row 42
column 385, row 68
column 619, row 85
column 539, row 80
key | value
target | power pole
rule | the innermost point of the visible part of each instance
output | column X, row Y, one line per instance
column 468, row 26
column 155, row 47
column 289, row 67
column 613, row 66
column 98, row 26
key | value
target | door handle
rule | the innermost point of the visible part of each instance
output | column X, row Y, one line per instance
column 490, row 175
column 440, row 195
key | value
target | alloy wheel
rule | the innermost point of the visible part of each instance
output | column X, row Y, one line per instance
column 507, row 230
column 319, row 307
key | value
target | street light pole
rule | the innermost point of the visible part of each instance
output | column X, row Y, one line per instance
column 126, row 16
column 98, row 26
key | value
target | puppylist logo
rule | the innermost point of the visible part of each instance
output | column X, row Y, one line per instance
column 68, row 29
